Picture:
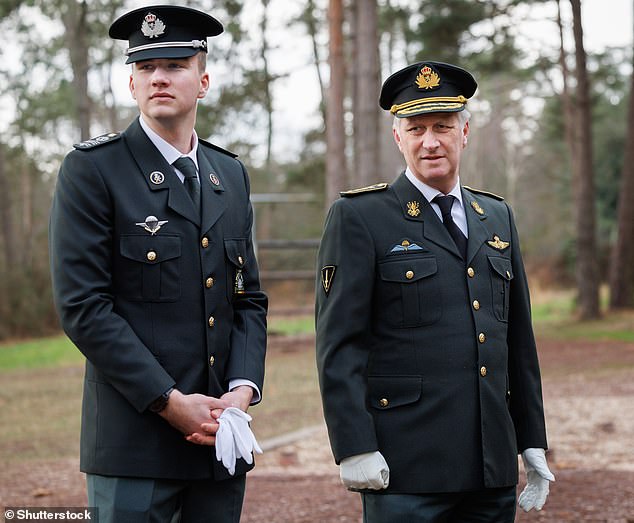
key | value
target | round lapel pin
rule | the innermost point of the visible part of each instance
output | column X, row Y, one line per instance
column 157, row 177
column 214, row 179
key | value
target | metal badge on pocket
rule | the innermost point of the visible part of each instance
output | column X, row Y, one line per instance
column 238, row 286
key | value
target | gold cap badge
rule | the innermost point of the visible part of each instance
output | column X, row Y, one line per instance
column 427, row 78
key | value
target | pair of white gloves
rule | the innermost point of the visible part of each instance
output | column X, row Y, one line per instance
column 235, row 439
column 370, row 471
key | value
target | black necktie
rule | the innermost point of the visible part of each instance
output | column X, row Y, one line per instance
column 445, row 203
column 186, row 165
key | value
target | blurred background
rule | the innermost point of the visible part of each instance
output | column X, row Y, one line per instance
column 295, row 85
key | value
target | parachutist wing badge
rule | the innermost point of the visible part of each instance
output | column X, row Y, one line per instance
column 498, row 244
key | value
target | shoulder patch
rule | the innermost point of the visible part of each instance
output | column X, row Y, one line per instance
column 217, row 148
column 485, row 193
column 98, row 140
column 361, row 190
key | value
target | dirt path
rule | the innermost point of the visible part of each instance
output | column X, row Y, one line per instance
column 589, row 398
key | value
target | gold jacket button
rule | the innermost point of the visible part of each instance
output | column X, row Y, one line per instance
column 384, row 402
column 209, row 282
column 483, row 371
column 212, row 321
column 481, row 337
column 409, row 275
column 470, row 272
column 212, row 360
column 151, row 255
column 476, row 305
column 204, row 242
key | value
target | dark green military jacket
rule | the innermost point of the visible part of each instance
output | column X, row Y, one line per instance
column 174, row 301
column 427, row 359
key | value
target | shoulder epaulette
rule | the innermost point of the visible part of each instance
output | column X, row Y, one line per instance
column 98, row 140
column 217, row 148
column 361, row 190
column 485, row 193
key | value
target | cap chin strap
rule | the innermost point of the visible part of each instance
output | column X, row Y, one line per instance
column 194, row 44
column 449, row 102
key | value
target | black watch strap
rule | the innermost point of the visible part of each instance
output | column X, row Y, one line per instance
column 161, row 402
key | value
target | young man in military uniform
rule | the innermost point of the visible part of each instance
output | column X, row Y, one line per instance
column 427, row 362
column 156, row 282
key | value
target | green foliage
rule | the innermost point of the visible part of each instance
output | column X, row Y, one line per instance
column 53, row 352
column 291, row 326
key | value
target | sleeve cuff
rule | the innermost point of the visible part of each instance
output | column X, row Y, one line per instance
column 257, row 396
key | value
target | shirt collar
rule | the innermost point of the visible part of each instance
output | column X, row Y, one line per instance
column 429, row 192
column 167, row 150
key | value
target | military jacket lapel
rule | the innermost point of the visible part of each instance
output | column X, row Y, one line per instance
column 433, row 229
column 158, row 174
column 476, row 222
column 212, row 190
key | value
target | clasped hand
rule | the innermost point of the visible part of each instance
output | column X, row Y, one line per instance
column 196, row 415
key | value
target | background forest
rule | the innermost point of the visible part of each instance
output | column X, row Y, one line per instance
column 552, row 128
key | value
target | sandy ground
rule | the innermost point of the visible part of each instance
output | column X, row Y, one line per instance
column 589, row 398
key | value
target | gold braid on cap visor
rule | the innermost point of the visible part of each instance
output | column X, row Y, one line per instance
column 439, row 103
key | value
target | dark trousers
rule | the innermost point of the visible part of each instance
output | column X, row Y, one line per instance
column 482, row 506
column 141, row 500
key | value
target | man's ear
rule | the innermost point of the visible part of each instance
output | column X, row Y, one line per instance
column 204, row 85
column 397, row 138
column 131, row 87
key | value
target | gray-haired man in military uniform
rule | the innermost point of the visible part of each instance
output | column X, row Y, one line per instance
column 427, row 362
column 156, row 282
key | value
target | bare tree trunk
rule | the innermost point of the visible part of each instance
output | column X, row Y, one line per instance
column 75, row 24
column 7, row 222
column 268, row 99
column 311, row 24
column 569, row 113
column 622, row 269
column 585, row 214
column 366, row 137
column 336, row 170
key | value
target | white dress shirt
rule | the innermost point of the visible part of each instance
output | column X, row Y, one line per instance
column 457, row 211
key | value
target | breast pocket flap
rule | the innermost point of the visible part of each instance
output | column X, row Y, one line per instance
column 407, row 270
column 502, row 266
column 150, row 249
column 236, row 251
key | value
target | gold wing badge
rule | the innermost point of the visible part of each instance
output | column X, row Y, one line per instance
column 327, row 275
column 498, row 244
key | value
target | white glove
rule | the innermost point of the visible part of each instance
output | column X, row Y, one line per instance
column 235, row 439
column 365, row 471
column 538, row 478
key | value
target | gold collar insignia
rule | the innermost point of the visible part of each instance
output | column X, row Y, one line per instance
column 477, row 208
column 413, row 208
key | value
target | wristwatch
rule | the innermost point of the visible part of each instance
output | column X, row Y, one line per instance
column 161, row 402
